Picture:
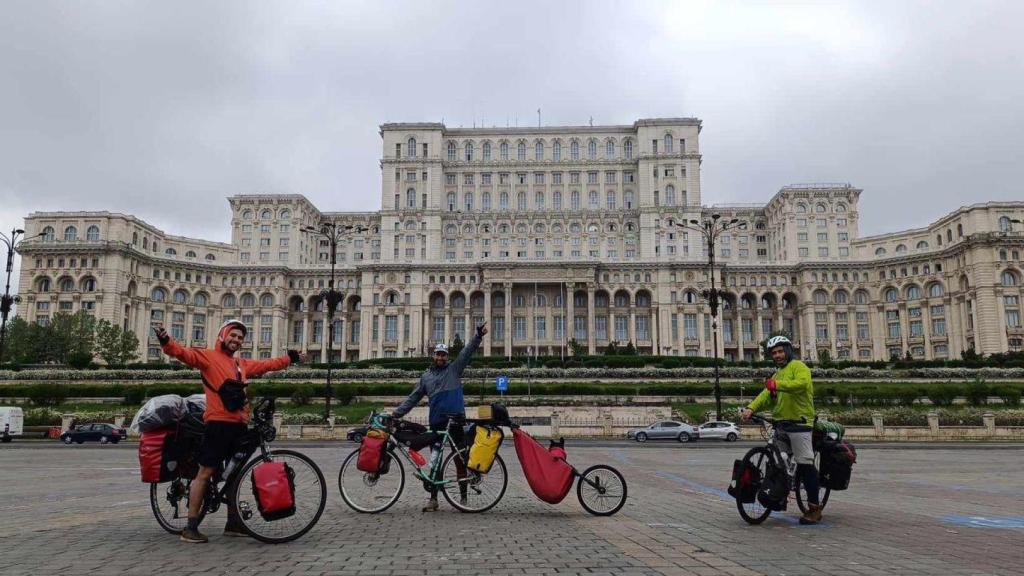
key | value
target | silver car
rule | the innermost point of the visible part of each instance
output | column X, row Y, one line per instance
column 664, row 430
column 719, row 431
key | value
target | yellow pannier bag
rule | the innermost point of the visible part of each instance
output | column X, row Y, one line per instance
column 484, row 449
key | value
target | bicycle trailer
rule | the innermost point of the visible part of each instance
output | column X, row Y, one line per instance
column 548, row 474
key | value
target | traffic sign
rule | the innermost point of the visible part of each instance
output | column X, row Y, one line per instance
column 502, row 383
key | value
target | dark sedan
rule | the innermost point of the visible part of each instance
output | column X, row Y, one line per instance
column 102, row 433
column 356, row 434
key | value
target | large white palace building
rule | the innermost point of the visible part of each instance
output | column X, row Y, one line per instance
column 550, row 234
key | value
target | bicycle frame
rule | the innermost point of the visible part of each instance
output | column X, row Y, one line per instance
column 263, row 433
column 435, row 470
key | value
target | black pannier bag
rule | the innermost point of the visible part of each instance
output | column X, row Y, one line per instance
column 837, row 460
column 745, row 481
column 773, row 493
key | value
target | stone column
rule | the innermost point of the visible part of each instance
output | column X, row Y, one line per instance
column 508, row 319
column 988, row 419
column 631, row 329
column 933, row 423
column 570, row 313
column 591, row 345
column 487, row 318
column 876, row 421
column 555, row 424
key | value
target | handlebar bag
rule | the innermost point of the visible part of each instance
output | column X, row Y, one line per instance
column 158, row 455
column 484, row 449
column 371, row 454
column 273, row 486
column 549, row 477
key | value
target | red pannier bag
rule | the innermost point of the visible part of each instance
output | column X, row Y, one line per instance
column 273, row 486
column 154, row 462
column 549, row 476
column 371, row 452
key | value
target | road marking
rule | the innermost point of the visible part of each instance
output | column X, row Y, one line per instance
column 1011, row 522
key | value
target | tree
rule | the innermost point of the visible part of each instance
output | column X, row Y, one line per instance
column 114, row 345
column 456, row 346
column 824, row 356
column 22, row 342
column 629, row 350
column 69, row 338
column 970, row 355
column 576, row 348
column 611, row 350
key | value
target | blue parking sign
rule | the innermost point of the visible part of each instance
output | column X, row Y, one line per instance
column 502, row 383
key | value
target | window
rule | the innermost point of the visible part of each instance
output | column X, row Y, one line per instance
column 468, row 148
column 556, row 151
column 92, row 234
column 890, row 294
column 538, row 151
column 70, row 234
column 1009, row 278
column 1005, row 225
column 592, row 149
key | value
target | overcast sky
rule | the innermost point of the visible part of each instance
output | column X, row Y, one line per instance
column 163, row 109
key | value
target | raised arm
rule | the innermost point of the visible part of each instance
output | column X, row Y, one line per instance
column 464, row 356
column 188, row 356
column 255, row 368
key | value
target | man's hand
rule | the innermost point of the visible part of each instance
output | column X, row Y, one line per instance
column 481, row 330
column 297, row 357
column 161, row 334
column 746, row 413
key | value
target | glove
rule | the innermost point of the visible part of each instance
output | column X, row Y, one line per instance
column 293, row 355
column 162, row 336
column 771, row 386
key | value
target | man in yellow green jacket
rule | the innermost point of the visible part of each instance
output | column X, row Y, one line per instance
column 790, row 395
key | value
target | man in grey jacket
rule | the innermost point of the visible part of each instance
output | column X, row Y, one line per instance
column 441, row 383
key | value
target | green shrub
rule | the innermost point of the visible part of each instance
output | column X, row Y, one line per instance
column 134, row 395
column 1009, row 395
column 47, row 393
column 977, row 393
column 301, row 397
column 943, row 395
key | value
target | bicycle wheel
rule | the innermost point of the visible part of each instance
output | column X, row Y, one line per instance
column 370, row 493
column 474, row 492
column 169, row 501
column 601, row 490
column 310, row 499
column 753, row 512
column 801, row 490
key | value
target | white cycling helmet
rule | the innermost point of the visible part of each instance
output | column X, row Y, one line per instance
column 777, row 341
column 441, row 348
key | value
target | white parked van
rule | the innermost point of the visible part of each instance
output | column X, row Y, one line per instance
column 12, row 421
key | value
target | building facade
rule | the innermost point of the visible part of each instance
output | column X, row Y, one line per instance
column 551, row 234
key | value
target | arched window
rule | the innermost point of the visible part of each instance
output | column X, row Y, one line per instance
column 611, row 202
column 158, row 295
column 860, row 297
column 627, row 149
column 520, row 228
column 89, row 284
column 48, row 234
column 935, row 290
column 670, row 195
column 556, row 200
column 891, row 295
column 93, row 233
column 487, row 151
column 621, row 300
column 170, row 252
column 668, row 143
column 540, row 301
column 1009, row 278
column 469, row 151
column 556, row 151
column 538, row 151
column 539, row 228
column 574, row 150
column 451, row 151
column 841, row 297
column 486, row 201
column 900, row 248
column 467, row 229
column 592, row 200
column 468, row 201
column 451, row 230
column 410, row 148
column 286, row 214
column 503, row 201
column 267, row 215
column 70, row 234
column 913, row 292
column 199, row 299
column 879, row 251
column 229, row 301
column 190, row 254
column 960, row 230
column 410, row 198
column 922, row 245
column 521, row 151
column 575, row 200
column 609, row 150
column 840, row 208
column 800, row 208
column 1005, row 225
column 248, row 301
column 210, row 257
column 498, row 301
column 503, row 150
column 521, row 201
column 180, row 297
column 592, row 149
column 819, row 208
column 267, row 300
column 627, row 199
column 246, row 214
column 66, row 285
column 820, row 297
column 538, row 200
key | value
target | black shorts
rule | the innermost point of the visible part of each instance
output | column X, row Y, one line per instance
column 219, row 442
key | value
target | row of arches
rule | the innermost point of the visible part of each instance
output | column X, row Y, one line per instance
column 537, row 151
column 92, row 234
column 267, row 214
column 593, row 199
column 539, row 228
column 66, row 284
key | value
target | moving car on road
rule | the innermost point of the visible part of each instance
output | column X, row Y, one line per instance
column 664, row 430
column 102, row 433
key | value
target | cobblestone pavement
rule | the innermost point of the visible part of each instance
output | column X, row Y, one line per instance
column 82, row 510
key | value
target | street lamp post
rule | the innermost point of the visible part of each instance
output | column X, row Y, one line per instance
column 333, row 234
column 711, row 229
column 7, row 301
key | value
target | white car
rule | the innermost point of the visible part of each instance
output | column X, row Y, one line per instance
column 719, row 431
column 12, row 422
column 665, row 430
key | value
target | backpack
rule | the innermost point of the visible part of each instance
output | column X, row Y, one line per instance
column 746, row 480
column 273, row 486
column 485, row 447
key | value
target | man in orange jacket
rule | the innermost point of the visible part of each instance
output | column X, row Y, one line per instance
column 227, row 410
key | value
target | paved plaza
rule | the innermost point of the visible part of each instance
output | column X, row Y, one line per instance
column 910, row 510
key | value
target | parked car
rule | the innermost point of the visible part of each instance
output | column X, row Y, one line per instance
column 356, row 434
column 664, row 430
column 12, row 421
column 719, row 431
column 102, row 433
